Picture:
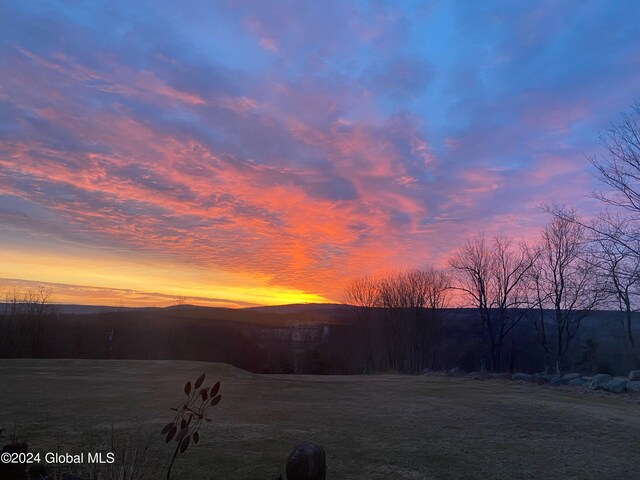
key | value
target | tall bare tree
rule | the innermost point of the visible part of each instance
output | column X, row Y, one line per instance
column 492, row 275
column 438, row 298
column 397, row 299
column 363, row 294
column 619, row 169
column 565, row 281
column 619, row 266
column 619, row 235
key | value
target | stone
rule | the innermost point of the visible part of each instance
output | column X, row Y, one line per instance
column 598, row 381
column 616, row 385
column 633, row 387
column 501, row 376
column 306, row 462
column 455, row 371
column 634, row 375
column 556, row 380
column 524, row 377
column 547, row 376
column 570, row 376
column 577, row 381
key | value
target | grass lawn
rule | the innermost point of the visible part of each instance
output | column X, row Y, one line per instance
column 372, row 427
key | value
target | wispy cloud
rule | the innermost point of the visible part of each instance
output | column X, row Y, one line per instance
column 299, row 144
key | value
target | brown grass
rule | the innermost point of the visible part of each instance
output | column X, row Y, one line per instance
column 373, row 427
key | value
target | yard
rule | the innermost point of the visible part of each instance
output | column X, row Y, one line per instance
column 372, row 427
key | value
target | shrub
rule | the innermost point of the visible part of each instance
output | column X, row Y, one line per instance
column 189, row 416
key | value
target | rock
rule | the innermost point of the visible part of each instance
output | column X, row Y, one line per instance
column 577, row 381
column 501, row 376
column 633, row 387
column 634, row 375
column 556, row 380
column 546, row 376
column 570, row 376
column 524, row 377
column 307, row 462
column 455, row 371
column 616, row 385
column 598, row 381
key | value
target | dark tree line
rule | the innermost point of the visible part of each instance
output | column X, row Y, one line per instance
column 401, row 316
column 26, row 314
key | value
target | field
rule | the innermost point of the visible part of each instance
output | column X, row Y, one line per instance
column 373, row 427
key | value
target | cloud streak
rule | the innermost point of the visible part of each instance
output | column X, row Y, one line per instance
column 229, row 139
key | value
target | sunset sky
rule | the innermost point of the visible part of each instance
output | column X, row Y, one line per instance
column 241, row 153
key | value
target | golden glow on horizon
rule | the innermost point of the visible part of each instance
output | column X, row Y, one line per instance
column 81, row 279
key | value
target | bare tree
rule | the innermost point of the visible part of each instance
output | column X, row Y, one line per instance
column 24, row 316
column 438, row 298
column 410, row 303
column 397, row 300
column 565, row 282
column 620, row 267
column 619, row 169
column 618, row 235
column 363, row 294
column 492, row 276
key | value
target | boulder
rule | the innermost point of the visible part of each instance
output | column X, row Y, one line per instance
column 455, row 371
column 307, row 462
column 524, row 377
column 546, row 376
column 634, row 375
column 598, row 381
column 556, row 380
column 577, row 381
column 633, row 387
column 501, row 376
column 570, row 376
column 616, row 385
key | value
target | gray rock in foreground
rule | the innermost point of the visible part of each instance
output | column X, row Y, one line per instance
column 616, row 385
column 570, row 376
column 525, row 377
column 307, row 462
column 598, row 381
column 577, row 381
column 556, row 380
column 633, row 387
column 634, row 375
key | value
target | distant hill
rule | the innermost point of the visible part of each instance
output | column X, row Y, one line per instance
column 81, row 309
column 270, row 316
column 297, row 307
